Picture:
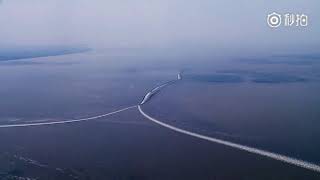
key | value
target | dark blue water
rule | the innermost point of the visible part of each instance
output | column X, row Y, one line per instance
column 215, row 101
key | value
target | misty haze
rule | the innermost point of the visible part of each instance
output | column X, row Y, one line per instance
column 159, row 90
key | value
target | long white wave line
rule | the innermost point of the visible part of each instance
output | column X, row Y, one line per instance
column 155, row 90
column 279, row 157
column 65, row 121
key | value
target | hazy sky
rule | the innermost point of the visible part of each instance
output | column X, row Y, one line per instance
column 157, row 23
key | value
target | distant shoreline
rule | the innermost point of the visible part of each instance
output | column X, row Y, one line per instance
column 19, row 54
